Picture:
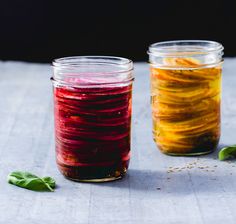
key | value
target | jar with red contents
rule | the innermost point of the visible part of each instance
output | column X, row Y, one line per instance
column 92, row 112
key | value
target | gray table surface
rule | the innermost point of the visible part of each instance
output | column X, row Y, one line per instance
column 202, row 191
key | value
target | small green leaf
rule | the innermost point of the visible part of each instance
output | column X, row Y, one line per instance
column 227, row 152
column 31, row 181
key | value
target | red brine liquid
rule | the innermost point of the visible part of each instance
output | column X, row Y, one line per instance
column 92, row 131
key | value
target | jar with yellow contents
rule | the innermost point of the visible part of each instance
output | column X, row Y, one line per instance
column 186, row 95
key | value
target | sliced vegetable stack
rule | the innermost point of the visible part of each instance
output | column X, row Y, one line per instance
column 186, row 106
column 92, row 130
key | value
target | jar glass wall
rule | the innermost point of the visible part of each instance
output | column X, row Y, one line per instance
column 92, row 111
column 186, row 95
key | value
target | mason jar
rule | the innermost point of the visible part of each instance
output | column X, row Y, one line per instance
column 186, row 95
column 92, row 112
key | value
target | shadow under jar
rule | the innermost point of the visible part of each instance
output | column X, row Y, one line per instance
column 186, row 95
column 92, row 111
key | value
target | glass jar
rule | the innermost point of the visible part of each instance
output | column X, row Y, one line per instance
column 186, row 95
column 92, row 111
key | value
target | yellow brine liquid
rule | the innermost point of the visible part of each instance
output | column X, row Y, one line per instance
column 185, row 98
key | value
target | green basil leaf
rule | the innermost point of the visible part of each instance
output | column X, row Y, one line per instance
column 227, row 152
column 31, row 181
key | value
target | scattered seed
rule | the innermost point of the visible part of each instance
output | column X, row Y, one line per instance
column 200, row 167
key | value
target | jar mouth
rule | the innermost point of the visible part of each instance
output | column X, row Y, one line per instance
column 185, row 54
column 92, row 71
column 184, row 48
column 94, row 64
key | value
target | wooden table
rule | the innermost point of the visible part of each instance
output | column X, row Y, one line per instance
column 195, row 190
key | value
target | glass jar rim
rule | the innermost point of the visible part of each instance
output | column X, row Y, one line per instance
column 92, row 71
column 185, row 47
column 75, row 62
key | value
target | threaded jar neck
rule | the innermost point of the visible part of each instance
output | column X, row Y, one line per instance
column 92, row 70
column 207, row 53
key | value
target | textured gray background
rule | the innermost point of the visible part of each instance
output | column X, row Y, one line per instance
column 203, row 191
